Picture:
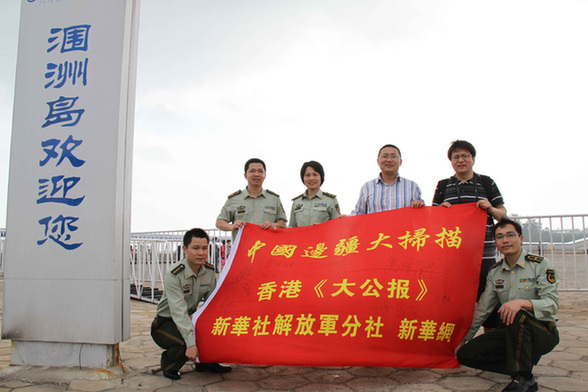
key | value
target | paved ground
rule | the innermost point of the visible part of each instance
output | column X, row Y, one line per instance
column 565, row 369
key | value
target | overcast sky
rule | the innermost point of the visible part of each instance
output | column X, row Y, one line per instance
column 222, row 81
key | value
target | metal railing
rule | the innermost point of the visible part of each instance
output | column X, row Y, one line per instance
column 152, row 253
column 563, row 239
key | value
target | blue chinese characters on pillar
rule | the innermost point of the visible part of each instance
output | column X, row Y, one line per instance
column 64, row 70
column 58, row 230
column 61, row 112
column 55, row 190
column 70, row 71
column 69, row 39
column 73, row 38
column 50, row 147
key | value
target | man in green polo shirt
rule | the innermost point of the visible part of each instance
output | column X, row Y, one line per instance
column 525, row 286
column 253, row 204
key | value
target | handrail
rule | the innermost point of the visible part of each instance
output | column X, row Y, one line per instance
column 563, row 239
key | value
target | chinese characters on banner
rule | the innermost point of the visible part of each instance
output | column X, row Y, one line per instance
column 395, row 289
column 66, row 70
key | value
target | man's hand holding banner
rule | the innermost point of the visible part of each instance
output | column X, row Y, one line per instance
column 395, row 289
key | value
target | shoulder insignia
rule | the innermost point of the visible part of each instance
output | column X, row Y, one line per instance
column 273, row 193
column 329, row 194
column 178, row 269
column 550, row 276
column 234, row 194
column 534, row 258
column 209, row 266
column 300, row 195
column 495, row 265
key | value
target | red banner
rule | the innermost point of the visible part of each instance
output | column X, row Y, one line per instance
column 395, row 289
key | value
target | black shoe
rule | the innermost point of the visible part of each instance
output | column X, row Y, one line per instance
column 172, row 374
column 212, row 367
column 521, row 384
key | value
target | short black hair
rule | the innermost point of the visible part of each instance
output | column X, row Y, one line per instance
column 461, row 145
column 316, row 166
column 254, row 160
column 389, row 145
column 195, row 233
column 504, row 222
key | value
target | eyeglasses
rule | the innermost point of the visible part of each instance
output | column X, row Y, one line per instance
column 462, row 156
column 392, row 156
column 510, row 235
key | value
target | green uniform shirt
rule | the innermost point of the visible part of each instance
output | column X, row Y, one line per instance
column 242, row 206
column 532, row 277
column 182, row 291
column 321, row 208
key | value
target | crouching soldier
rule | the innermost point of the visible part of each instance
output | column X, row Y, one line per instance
column 526, row 287
column 185, row 284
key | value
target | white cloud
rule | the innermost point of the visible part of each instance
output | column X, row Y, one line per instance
column 333, row 81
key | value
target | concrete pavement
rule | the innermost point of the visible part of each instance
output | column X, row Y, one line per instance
column 564, row 369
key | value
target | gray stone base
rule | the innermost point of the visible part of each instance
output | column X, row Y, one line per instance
column 80, row 355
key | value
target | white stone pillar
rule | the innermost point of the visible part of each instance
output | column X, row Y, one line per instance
column 66, row 281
